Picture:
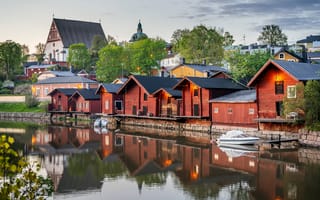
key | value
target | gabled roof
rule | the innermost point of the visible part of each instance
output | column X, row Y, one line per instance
column 237, row 97
column 110, row 87
column 66, row 91
column 284, row 50
column 170, row 91
column 71, row 79
column 87, row 94
column 72, row 31
column 150, row 83
column 212, row 83
column 297, row 70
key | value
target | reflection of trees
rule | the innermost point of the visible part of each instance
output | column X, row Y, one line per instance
column 240, row 190
column 309, row 184
column 80, row 164
column 156, row 179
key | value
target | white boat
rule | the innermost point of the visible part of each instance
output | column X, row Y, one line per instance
column 237, row 137
column 100, row 123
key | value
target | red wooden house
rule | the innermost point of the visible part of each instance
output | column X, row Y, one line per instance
column 60, row 98
column 169, row 102
column 238, row 108
column 85, row 101
column 196, row 93
column 277, row 80
column 111, row 102
column 138, row 95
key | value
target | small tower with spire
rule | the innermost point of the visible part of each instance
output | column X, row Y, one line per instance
column 139, row 34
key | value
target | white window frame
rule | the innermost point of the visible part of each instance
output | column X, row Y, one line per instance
column 281, row 56
column 291, row 91
column 216, row 110
column 251, row 111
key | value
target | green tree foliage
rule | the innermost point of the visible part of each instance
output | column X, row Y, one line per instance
column 98, row 42
column 10, row 58
column 19, row 179
column 146, row 54
column 79, row 57
column 137, row 57
column 245, row 66
column 312, row 106
column 109, row 65
column 272, row 35
column 227, row 39
column 201, row 43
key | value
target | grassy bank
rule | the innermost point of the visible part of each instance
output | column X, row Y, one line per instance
column 20, row 107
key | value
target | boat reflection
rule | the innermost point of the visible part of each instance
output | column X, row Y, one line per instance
column 84, row 160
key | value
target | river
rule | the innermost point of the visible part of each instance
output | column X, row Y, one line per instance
column 101, row 164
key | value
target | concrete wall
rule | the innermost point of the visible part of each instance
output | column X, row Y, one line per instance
column 12, row 99
column 25, row 116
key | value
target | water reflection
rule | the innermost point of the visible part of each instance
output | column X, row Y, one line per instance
column 118, row 165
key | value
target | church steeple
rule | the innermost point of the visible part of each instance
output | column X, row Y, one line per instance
column 139, row 29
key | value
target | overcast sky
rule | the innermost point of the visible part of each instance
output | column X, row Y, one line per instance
column 28, row 21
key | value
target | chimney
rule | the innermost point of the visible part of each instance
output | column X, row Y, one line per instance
column 204, row 62
column 183, row 60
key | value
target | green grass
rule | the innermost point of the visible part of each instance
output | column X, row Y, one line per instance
column 19, row 107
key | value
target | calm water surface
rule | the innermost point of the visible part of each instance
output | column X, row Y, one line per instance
column 100, row 164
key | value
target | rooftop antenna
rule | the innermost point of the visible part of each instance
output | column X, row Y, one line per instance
column 52, row 15
column 99, row 21
column 244, row 39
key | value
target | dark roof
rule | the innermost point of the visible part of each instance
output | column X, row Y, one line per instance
column 302, row 71
column 310, row 39
column 60, row 73
column 172, row 92
column 111, row 87
column 290, row 53
column 214, row 83
column 39, row 66
column 72, row 31
column 238, row 96
column 66, row 91
column 87, row 94
column 71, row 79
column 153, row 83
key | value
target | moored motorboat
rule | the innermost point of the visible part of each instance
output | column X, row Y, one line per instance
column 237, row 150
column 237, row 137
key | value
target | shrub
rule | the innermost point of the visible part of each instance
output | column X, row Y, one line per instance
column 31, row 101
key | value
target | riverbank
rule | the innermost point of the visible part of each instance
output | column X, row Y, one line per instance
column 196, row 130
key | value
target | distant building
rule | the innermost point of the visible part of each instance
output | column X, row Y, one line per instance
column 139, row 34
column 64, row 33
column 312, row 43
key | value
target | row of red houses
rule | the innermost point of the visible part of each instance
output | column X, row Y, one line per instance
column 219, row 98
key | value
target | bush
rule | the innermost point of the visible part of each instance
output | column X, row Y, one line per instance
column 31, row 101
column 24, row 89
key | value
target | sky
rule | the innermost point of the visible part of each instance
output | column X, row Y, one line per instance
column 28, row 21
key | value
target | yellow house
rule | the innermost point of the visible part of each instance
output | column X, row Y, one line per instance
column 195, row 70
column 286, row 55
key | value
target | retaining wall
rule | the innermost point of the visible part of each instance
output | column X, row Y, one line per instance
column 25, row 116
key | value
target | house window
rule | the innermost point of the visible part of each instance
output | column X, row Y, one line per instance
column 145, row 97
column 144, row 110
column 38, row 92
column 195, row 92
column 251, row 111
column 279, row 87
column 169, row 100
column 46, row 91
column 281, row 56
column 196, row 110
column 216, row 110
column 87, row 105
column 106, row 104
column 229, row 110
column 291, row 91
column 134, row 110
column 118, row 105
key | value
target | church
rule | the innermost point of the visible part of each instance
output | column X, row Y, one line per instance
column 139, row 34
column 63, row 33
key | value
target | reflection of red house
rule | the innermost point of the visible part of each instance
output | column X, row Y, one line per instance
column 237, row 108
column 60, row 98
column 85, row 100
column 138, row 95
column 111, row 102
column 196, row 93
column 277, row 80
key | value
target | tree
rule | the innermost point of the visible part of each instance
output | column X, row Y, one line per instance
column 272, row 35
column 295, row 104
column 312, row 106
column 245, row 66
column 227, row 39
column 20, row 180
column 40, row 48
column 79, row 56
column 10, row 58
column 199, row 44
column 109, row 65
